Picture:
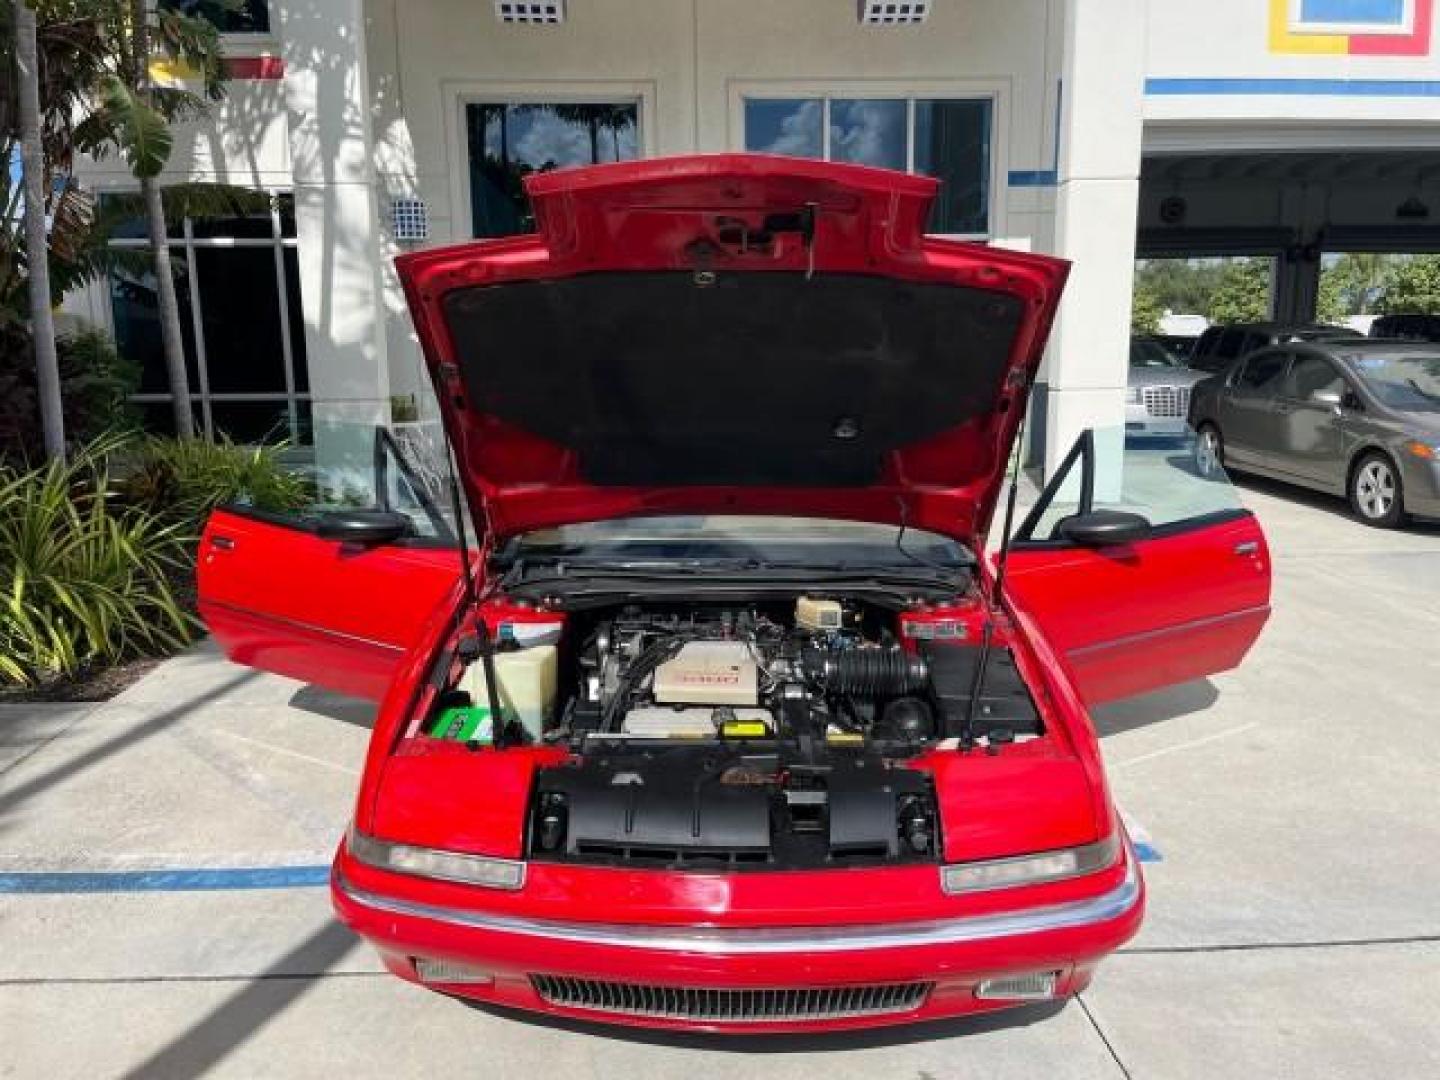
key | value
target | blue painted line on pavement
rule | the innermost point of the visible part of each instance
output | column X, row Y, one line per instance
column 197, row 880
column 1147, row 852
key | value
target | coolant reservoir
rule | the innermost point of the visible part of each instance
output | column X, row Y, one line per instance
column 527, row 679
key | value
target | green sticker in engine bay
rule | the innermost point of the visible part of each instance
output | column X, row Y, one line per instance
column 463, row 723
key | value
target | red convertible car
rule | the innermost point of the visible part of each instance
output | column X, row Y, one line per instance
column 723, row 719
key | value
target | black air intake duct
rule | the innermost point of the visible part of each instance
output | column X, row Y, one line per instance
column 866, row 673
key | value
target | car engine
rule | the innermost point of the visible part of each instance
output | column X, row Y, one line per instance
column 742, row 738
column 746, row 674
column 780, row 735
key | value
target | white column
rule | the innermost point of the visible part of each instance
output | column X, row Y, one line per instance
column 327, row 102
column 1099, row 185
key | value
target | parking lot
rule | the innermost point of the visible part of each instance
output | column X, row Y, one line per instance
column 1291, row 807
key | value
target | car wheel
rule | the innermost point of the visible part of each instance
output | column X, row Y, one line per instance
column 1209, row 451
column 1375, row 493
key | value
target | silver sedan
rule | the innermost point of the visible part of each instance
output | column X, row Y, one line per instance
column 1354, row 418
column 1158, row 392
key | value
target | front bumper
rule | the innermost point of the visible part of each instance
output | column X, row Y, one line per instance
column 1420, row 483
column 954, row 953
column 1140, row 424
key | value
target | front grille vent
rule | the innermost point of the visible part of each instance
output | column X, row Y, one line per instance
column 730, row 1005
column 1166, row 402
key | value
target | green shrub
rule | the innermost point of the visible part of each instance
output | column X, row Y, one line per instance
column 182, row 480
column 95, row 387
column 84, row 579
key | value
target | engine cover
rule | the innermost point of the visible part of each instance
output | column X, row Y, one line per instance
column 703, row 807
column 709, row 673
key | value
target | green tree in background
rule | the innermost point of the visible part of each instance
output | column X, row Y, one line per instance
column 1412, row 287
column 1352, row 285
column 1145, row 310
column 1242, row 293
column 1183, row 286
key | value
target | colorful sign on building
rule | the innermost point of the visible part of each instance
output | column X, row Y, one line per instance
column 1352, row 27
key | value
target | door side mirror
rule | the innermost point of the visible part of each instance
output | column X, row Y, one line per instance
column 1332, row 398
column 365, row 527
column 1104, row 528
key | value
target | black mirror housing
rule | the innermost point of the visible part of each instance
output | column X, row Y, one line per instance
column 365, row 527
column 1104, row 528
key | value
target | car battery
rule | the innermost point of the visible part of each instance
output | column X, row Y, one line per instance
column 463, row 723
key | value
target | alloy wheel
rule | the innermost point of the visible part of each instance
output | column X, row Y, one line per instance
column 1207, row 451
column 1375, row 489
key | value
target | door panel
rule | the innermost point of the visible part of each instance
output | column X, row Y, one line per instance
column 1187, row 601
column 1153, row 614
column 282, row 599
column 1247, row 420
column 1311, row 434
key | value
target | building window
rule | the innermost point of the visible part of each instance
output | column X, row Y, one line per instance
column 227, row 16
column 948, row 138
column 238, row 286
column 507, row 142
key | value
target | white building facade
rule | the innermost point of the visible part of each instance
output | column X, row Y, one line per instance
column 1081, row 128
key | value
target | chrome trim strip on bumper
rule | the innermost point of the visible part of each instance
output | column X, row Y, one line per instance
column 759, row 941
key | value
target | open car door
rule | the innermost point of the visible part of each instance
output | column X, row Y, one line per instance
column 331, row 596
column 1141, row 571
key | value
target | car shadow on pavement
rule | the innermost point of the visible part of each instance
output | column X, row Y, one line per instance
column 1156, row 708
column 327, row 703
column 819, row 1042
column 1319, row 500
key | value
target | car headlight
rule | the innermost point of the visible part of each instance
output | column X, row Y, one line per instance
column 1030, row 869
column 1132, row 395
column 432, row 863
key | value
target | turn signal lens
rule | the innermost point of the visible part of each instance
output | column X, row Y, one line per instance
column 1030, row 869
column 430, row 863
column 1424, row 451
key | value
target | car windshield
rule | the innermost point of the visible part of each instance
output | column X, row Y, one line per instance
column 730, row 539
column 1410, row 382
column 1151, row 354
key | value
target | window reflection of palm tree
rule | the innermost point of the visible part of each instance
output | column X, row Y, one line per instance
column 595, row 119
column 505, row 210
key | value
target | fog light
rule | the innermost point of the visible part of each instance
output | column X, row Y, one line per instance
column 1037, row 986
column 448, row 971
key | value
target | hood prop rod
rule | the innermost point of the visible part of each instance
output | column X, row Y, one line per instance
column 987, row 633
column 485, row 639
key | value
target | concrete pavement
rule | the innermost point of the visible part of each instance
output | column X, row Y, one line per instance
column 1293, row 927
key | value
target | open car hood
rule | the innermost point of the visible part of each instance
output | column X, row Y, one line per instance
column 737, row 334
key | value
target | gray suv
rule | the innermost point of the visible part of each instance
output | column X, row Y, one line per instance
column 1359, row 418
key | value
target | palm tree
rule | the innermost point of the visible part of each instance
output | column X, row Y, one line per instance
column 132, row 115
column 32, row 163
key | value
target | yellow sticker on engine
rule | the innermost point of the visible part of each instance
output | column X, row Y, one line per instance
column 744, row 729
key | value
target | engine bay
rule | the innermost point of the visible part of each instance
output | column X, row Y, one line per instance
column 740, row 736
